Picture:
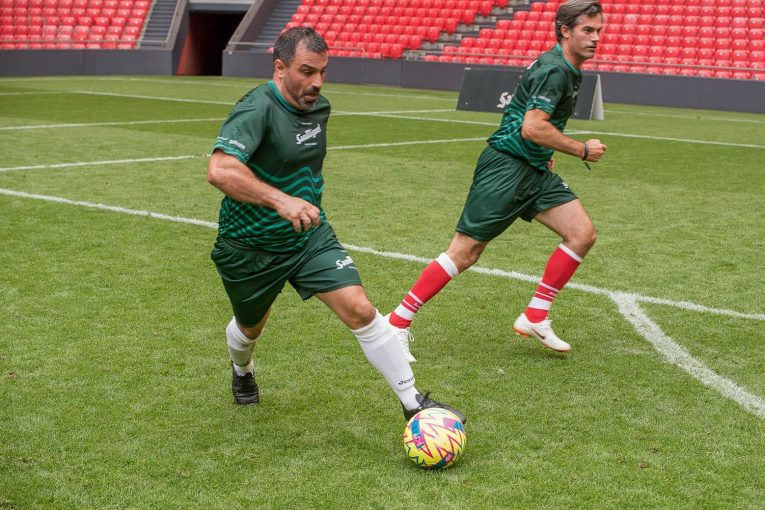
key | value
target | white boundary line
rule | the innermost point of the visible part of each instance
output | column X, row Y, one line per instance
column 627, row 304
column 400, row 144
column 193, row 156
column 677, row 355
column 670, row 139
column 100, row 163
column 686, row 117
column 394, row 114
column 106, row 124
column 153, row 98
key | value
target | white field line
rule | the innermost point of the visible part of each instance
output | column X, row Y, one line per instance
column 193, row 156
column 685, row 305
column 670, row 139
column 105, row 207
column 626, row 302
column 391, row 112
column 328, row 89
column 677, row 355
column 100, row 163
column 686, row 117
column 400, row 144
column 394, row 115
column 107, row 124
column 153, row 98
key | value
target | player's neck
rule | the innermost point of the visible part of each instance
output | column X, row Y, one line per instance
column 571, row 57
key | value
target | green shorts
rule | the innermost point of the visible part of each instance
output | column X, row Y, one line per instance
column 505, row 188
column 254, row 278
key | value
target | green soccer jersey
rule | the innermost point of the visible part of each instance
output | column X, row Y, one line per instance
column 550, row 84
column 284, row 147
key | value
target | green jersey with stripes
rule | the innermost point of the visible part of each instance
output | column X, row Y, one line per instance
column 550, row 84
column 284, row 147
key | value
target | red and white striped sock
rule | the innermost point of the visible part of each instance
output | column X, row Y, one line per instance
column 560, row 267
column 433, row 278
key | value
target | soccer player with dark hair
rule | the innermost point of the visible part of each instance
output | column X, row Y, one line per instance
column 272, row 228
column 514, row 178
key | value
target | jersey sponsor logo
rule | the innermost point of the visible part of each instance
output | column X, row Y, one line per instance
column 307, row 135
column 347, row 261
column 504, row 99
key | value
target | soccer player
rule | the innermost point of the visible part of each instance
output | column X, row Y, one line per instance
column 272, row 229
column 514, row 178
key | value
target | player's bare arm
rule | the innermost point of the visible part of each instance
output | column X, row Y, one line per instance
column 537, row 128
column 233, row 178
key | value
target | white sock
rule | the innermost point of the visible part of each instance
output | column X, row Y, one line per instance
column 385, row 353
column 240, row 348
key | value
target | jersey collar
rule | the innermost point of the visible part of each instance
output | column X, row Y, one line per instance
column 558, row 48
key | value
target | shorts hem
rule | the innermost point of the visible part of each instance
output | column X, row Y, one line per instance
column 308, row 295
column 473, row 236
column 535, row 211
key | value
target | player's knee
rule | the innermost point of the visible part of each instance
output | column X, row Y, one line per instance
column 463, row 259
column 359, row 313
column 586, row 238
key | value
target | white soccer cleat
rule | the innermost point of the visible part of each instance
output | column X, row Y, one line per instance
column 404, row 337
column 542, row 331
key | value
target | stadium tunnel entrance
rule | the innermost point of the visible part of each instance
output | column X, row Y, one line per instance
column 207, row 36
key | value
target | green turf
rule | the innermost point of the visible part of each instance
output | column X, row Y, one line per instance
column 113, row 375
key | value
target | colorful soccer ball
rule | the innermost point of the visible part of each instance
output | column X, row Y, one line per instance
column 434, row 438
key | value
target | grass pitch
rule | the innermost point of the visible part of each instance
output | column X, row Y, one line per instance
column 113, row 372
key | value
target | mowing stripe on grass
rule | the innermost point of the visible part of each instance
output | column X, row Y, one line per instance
column 28, row 93
column 627, row 305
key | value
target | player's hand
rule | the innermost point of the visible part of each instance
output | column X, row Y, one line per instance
column 551, row 164
column 595, row 149
column 303, row 215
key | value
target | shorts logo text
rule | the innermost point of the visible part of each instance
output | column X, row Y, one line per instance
column 347, row 261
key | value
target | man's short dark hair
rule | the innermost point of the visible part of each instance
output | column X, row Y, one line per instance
column 569, row 12
column 287, row 43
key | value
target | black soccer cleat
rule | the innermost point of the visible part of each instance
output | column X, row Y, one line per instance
column 244, row 388
column 426, row 403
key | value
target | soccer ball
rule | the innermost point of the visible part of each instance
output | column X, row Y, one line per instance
column 434, row 438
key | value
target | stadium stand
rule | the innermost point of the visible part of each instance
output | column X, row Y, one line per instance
column 707, row 38
column 72, row 24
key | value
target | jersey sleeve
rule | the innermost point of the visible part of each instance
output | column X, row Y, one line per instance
column 242, row 131
column 546, row 90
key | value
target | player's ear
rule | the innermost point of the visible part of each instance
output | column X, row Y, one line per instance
column 279, row 67
column 565, row 31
